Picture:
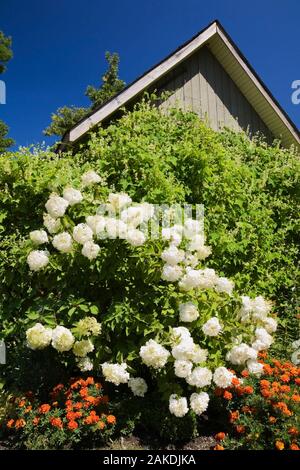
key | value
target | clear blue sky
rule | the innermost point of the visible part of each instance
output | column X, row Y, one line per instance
column 59, row 47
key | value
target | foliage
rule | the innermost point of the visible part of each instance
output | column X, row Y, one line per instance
column 5, row 142
column 264, row 411
column 75, row 413
column 67, row 116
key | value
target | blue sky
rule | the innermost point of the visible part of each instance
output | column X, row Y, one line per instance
column 59, row 47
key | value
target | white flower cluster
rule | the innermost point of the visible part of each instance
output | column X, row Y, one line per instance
column 256, row 310
column 39, row 337
column 212, row 327
column 240, row 354
column 154, row 355
column 115, row 373
column 295, row 358
column 178, row 406
column 138, row 386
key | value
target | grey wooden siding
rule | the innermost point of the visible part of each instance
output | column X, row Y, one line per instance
column 201, row 85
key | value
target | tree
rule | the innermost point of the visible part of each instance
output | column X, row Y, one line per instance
column 5, row 56
column 67, row 116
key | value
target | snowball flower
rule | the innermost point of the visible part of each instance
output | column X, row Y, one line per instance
column 208, row 278
column 199, row 402
column 191, row 260
column 192, row 228
column 239, row 354
column 212, row 327
column 73, row 196
column 82, row 233
column 37, row 260
column 295, row 358
column 56, row 206
column 181, row 333
column 154, row 355
column 39, row 237
column 96, row 223
column 260, row 308
column 196, row 243
column 270, row 324
column 171, row 273
column 115, row 373
column 188, row 312
column 138, row 386
column 90, row 250
column 132, row 216
column 178, row 406
column 62, row 339
column 38, row 337
column 172, row 255
column 118, row 200
column 51, row 224
column 90, row 177
column 190, row 280
column 255, row 367
column 85, row 364
column 135, row 237
column 200, row 377
column 63, row 242
column 263, row 337
column 172, row 235
column 296, row 344
column 115, row 228
column 83, row 348
column 88, row 326
column 183, row 368
column 224, row 285
column 223, row 377
column 197, row 355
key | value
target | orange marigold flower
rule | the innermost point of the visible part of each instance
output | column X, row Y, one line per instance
column 240, row 429
column 58, row 388
column 72, row 425
column 111, row 419
column 76, row 384
column 262, row 354
column 218, row 447
column 235, row 381
column 28, row 409
column 266, row 393
column 297, row 381
column 268, row 369
column 22, row 403
column 233, row 416
column 227, row 395
column 101, row 425
column 279, row 445
column 265, row 383
column 20, row 423
column 220, row 436
column 293, row 431
column 70, row 416
column 245, row 373
column 89, row 381
column 56, row 422
column 10, row 423
column 90, row 399
column 296, row 397
column 44, row 408
column 272, row 419
column 35, row 420
column 285, row 378
column 84, row 392
column 294, row 447
column 285, row 388
column 78, row 405
column 98, row 385
column 248, row 389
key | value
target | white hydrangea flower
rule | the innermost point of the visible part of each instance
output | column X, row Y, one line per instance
column 212, row 327
column 270, row 324
column 196, row 242
column 190, row 260
column 118, row 200
column 260, row 308
column 39, row 237
column 83, row 348
column 135, row 237
column 90, row 177
column 133, row 216
column 171, row 273
column 73, row 196
column 255, row 368
column 56, row 206
column 88, row 326
column 240, row 354
column 82, row 233
column 246, row 308
column 38, row 337
column 264, row 337
column 115, row 228
column 90, row 250
column 96, row 223
column 180, row 333
column 208, row 278
column 172, row 235
column 172, row 255
column 190, row 280
column 223, row 377
column 154, row 355
column 115, row 373
column 37, row 260
column 138, row 386
column 200, row 377
column 199, row 402
column 224, row 285
column 296, row 344
column 63, row 242
column 188, row 312
column 178, row 406
column 62, row 339
column 85, row 364
column 51, row 224
column 295, row 358
column 204, row 252
column 197, row 355
column 183, row 368
column 192, row 228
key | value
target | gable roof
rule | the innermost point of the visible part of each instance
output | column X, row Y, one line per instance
column 234, row 63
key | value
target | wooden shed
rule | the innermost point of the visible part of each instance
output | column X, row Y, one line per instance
column 210, row 76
